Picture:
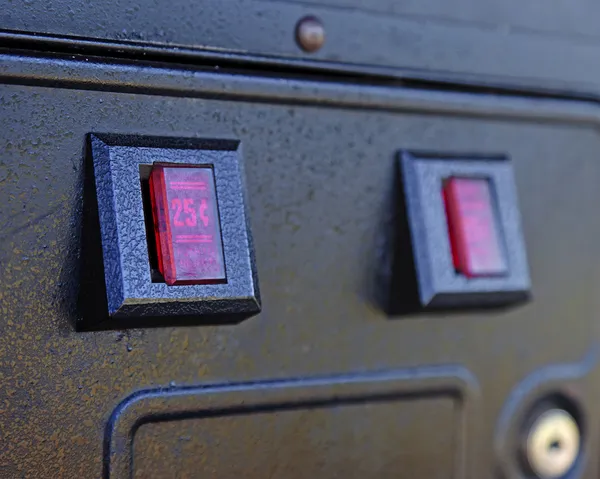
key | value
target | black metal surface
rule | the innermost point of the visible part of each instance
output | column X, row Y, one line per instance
column 397, row 393
column 492, row 40
column 127, row 273
column 297, row 390
column 320, row 230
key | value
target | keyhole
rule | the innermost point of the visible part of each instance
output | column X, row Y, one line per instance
column 554, row 446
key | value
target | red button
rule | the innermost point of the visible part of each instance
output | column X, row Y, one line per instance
column 186, row 224
column 473, row 227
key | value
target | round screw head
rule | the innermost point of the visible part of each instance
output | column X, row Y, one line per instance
column 310, row 34
column 552, row 444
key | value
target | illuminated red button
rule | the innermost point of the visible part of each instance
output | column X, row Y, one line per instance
column 475, row 236
column 186, row 224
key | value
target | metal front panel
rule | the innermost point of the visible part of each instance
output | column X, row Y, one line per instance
column 319, row 162
column 498, row 41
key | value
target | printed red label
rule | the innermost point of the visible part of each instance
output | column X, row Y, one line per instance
column 473, row 227
column 186, row 220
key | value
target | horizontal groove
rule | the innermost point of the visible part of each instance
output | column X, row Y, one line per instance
column 155, row 52
column 86, row 73
column 184, row 57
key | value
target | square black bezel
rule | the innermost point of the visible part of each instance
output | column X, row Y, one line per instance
column 130, row 291
column 438, row 284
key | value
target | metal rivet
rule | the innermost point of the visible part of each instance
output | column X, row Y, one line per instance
column 552, row 444
column 310, row 34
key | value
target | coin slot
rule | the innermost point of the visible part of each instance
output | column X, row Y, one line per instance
column 155, row 273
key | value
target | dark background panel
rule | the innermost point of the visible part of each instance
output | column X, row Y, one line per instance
column 378, row 441
column 320, row 185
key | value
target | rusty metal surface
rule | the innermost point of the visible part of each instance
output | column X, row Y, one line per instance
column 320, row 181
